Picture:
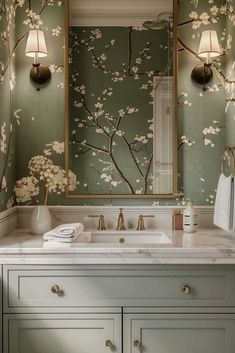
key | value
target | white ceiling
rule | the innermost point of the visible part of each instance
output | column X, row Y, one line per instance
column 116, row 12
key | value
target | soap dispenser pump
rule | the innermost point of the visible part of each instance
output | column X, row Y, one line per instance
column 190, row 218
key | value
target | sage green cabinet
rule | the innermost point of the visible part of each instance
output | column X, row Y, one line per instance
column 179, row 333
column 62, row 333
column 120, row 309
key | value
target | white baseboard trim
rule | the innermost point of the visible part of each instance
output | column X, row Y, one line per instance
column 162, row 219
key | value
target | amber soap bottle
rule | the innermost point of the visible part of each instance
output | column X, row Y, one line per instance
column 177, row 220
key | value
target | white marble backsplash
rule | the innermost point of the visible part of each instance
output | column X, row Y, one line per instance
column 162, row 216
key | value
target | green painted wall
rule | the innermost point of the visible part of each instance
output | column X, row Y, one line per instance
column 202, row 117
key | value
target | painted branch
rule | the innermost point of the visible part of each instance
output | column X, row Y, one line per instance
column 131, row 152
column 129, row 51
column 185, row 23
column 121, row 174
column 99, row 149
column 109, row 152
column 147, row 173
column 113, row 134
column 179, row 145
column 94, row 120
column 113, row 159
column 222, row 74
column 190, row 51
column 84, row 151
column 132, row 155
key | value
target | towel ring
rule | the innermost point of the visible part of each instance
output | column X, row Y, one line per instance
column 229, row 153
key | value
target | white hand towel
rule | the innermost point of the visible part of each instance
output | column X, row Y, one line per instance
column 64, row 233
column 67, row 231
column 223, row 203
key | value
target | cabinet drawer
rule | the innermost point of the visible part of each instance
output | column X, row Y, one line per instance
column 51, row 287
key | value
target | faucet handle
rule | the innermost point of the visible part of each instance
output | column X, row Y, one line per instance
column 101, row 224
column 140, row 225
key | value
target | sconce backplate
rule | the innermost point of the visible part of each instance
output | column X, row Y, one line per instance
column 202, row 74
column 40, row 74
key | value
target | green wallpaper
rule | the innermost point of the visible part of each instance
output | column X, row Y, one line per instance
column 8, row 115
column 112, row 71
column 202, row 115
column 230, row 88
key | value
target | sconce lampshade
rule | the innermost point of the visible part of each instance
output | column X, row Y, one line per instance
column 209, row 45
column 36, row 48
column 209, row 48
column 36, row 44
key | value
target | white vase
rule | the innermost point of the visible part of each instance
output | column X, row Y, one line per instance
column 40, row 220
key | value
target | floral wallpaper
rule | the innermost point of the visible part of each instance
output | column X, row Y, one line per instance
column 111, row 124
column 230, row 87
column 32, row 121
column 8, row 117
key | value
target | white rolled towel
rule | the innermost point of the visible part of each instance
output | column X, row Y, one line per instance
column 66, row 233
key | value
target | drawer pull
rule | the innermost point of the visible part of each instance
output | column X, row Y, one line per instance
column 55, row 289
column 186, row 289
column 137, row 343
column 109, row 344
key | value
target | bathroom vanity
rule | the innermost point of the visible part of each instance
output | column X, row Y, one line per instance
column 171, row 297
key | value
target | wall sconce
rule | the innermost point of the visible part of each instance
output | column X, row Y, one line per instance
column 208, row 49
column 36, row 48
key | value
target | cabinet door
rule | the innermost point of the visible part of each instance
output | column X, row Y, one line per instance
column 176, row 333
column 62, row 333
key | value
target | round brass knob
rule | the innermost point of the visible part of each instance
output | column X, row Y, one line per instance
column 55, row 289
column 137, row 343
column 186, row 289
column 108, row 343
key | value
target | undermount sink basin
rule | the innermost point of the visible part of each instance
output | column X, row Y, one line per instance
column 130, row 237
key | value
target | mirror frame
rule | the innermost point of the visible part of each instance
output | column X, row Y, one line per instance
column 175, row 194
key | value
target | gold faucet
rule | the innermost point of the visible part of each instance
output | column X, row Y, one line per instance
column 120, row 224
column 101, row 224
column 140, row 225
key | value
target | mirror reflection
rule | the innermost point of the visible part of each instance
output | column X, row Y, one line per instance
column 121, row 96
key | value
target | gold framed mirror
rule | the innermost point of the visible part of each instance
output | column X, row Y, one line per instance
column 121, row 98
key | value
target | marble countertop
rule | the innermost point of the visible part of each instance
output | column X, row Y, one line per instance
column 206, row 246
